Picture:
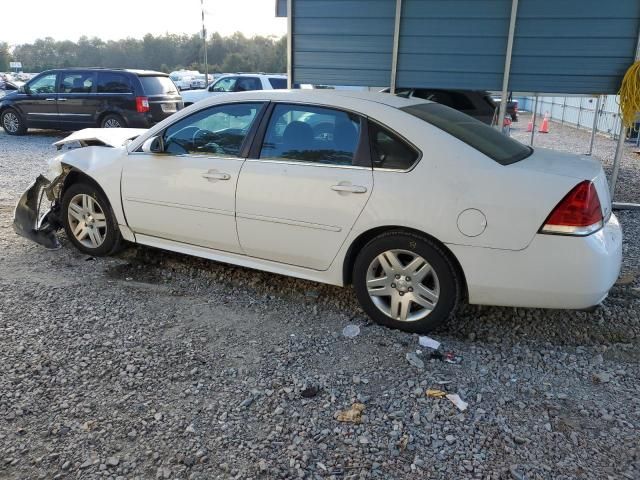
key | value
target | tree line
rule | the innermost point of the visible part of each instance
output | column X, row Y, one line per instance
column 166, row 52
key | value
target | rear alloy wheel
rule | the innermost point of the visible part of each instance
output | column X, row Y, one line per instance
column 112, row 121
column 12, row 123
column 406, row 281
column 88, row 220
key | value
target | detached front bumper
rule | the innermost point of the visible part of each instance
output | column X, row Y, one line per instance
column 34, row 217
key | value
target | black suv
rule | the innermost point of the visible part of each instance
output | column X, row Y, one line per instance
column 476, row 103
column 69, row 99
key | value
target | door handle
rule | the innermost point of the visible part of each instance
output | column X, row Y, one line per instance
column 50, row 99
column 349, row 188
column 216, row 176
column 62, row 99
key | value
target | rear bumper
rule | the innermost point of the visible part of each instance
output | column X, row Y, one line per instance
column 554, row 271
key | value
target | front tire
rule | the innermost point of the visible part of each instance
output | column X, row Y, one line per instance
column 88, row 220
column 12, row 122
column 112, row 121
column 406, row 281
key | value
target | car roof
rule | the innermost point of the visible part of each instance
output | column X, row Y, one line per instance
column 256, row 74
column 330, row 97
column 142, row 73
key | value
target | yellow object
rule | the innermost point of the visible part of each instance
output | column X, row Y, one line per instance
column 433, row 393
column 353, row 415
column 630, row 95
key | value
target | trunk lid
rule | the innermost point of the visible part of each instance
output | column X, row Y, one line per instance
column 578, row 167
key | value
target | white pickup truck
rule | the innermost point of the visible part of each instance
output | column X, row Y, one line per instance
column 236, row 82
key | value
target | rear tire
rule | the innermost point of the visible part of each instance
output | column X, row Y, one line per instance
column 12, row 122
column 89, row 221
column 406, row 281
column 112, row 121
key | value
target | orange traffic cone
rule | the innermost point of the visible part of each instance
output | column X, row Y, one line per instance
column 544, row 128
column 530, row 126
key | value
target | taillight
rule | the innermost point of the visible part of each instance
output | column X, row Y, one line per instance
column 142, row 104
column 578, row 213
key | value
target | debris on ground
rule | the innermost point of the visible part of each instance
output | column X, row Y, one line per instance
column 414, row 360
column 626, row 279
column 428, row 342
column 601, row 377
column 450, row 357
column 310, row 391
column 351, row 331
column 353, row 415
column 457, row 401
column 435, row 393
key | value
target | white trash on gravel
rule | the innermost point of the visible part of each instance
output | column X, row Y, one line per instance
column 428, row 342
column 351, row 331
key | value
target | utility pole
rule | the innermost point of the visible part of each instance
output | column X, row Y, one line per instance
column 204, row 39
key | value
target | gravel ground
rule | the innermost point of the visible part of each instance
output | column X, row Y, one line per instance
column 157, row 365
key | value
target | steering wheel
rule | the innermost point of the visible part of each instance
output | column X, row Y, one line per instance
column 202, row 138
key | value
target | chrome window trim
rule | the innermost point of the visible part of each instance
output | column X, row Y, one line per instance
column 190, row 155
column 307, row 164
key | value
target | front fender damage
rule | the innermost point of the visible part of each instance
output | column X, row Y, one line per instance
column 36, row 214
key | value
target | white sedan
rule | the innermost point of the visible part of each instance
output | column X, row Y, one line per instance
column 417, row 205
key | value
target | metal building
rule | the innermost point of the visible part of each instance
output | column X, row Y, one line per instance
column 558, row 46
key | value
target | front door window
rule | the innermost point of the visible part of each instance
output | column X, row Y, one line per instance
column 226, row 84
column 216, row 131
column 43, row 85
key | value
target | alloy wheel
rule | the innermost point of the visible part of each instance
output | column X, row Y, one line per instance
column 112, row 123
column 402, row 285
column 11, row 122
column 87, row 220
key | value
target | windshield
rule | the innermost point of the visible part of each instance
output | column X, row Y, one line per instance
column 482, row 137
column 158, row 86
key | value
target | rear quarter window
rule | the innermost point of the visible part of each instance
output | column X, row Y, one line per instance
column 494, row 144
column 159, row 85
column 112, row 82
column 278, row 83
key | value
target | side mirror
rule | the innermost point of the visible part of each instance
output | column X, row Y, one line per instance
column 210, row 88
column 23, row 89
column 153, row 145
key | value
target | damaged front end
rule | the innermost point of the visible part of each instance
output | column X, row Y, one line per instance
column 36, row 214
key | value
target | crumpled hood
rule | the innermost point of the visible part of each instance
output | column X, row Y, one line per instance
column 109, row 137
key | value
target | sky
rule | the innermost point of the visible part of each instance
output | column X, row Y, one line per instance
column 115, row 19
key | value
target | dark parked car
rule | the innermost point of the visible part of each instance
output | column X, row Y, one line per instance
column 70, row 99
column 478, row 104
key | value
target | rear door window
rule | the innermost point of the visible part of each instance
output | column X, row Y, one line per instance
column 159, row 85
column 305, row 133
column 245, row 84
column 77, row 82
column 113, row 82
column 482, row 137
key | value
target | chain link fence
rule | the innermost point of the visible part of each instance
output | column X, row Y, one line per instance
column 580, row 111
